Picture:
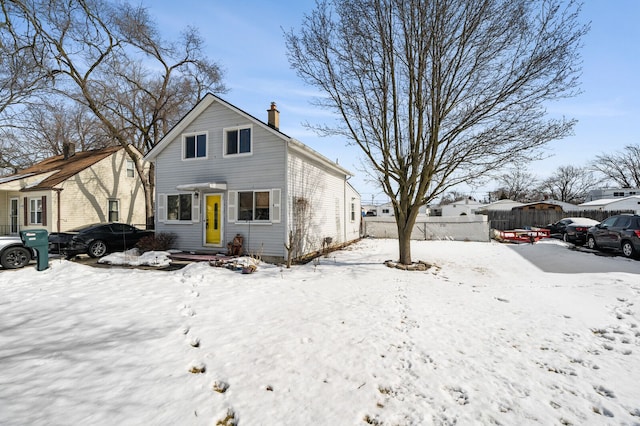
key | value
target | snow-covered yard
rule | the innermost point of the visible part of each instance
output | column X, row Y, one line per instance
column 484, row 337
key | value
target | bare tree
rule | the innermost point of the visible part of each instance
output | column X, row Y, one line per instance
column 570, row 184
column 515, row 184
column 439, row 92
column 623, row 168
column 110, row 58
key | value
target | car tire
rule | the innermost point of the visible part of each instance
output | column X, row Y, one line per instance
column 565, row 238
column 591, row 243
column 627, row 249
column 98, row 248
column 15, row 257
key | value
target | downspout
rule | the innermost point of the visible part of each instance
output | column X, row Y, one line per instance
column 58, row 191
column 284, row 201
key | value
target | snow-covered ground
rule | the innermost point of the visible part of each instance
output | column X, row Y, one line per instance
column 483, row 337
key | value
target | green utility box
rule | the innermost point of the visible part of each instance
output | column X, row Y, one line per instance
column 38, row 239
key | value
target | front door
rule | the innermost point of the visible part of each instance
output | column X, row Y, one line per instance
column 213, row 232
column 13, row 215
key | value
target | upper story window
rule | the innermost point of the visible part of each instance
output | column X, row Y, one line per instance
column 237, row 141
column 194, row 146
column 131, row 169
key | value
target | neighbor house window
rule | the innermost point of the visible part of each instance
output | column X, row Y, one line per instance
column 353, row 212
column 237, row 140
column 35, row 211
column 253, row 205
column 195, row 146
column 386, row 211
column 131, row 170
column 114, row 210
column 179, row 207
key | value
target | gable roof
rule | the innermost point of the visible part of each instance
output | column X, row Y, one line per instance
column 607, row 201
column 58, row 169
column 208, row 100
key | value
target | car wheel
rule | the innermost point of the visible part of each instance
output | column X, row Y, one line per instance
column 15, row 257
column 591, row 243
column 98, row 248
column 627, row 249
column 565, row 238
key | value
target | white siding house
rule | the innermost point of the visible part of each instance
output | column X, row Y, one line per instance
column 221, row 172
column 613, row 204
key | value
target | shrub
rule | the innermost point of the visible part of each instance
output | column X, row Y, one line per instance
column 161, row 241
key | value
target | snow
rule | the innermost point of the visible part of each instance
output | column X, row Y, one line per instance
column 483, row 337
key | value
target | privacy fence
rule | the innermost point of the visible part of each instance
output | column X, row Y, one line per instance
column 455, row 228
column 522, row 219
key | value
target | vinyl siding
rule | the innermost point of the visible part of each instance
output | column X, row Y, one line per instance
column 263, row 170
column 316, row 206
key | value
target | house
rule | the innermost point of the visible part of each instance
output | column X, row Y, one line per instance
column 222, row 173
column 607, row 193
column 540, row 205
column 499, row 205
column 72, row 189
column 613, row 204
column 465, row 207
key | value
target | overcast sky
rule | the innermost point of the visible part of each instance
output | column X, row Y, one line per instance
column 246, row 38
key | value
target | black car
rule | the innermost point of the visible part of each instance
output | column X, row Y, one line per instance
column 558, row 228
column 96, row 240
column 620, row 233
column 576, row 233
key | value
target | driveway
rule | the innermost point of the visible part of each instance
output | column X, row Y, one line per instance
column 558, row 257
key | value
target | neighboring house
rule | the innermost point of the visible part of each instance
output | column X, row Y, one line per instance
column 499, row 206
column 540, row 205
column 613, row 204
column 70, row 190
column 607, row 193
column 466, row 207
column 221, row 172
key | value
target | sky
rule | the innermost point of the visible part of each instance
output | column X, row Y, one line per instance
column 246, row 38
column 487, row 335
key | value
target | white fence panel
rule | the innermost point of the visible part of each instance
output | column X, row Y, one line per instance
column 454, row 228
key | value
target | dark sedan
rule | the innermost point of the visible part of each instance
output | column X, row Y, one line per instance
column 576, row 233
column 559, row 228
column 96, row 240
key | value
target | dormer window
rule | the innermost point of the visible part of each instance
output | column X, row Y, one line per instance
column 194, row 146
column 237, row 141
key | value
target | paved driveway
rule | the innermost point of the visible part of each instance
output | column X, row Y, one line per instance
column 566, row 259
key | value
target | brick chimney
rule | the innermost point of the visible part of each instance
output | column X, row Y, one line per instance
column 68, row 150
column 273, row 117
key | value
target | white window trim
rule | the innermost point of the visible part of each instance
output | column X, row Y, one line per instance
column 163, row 207
column 184, row 143
column 132, row 168
column 275, row 210
column 109, row 201
column 224, row 141
column 32, row 211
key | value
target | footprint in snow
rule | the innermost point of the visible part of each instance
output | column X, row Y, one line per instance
column 459, row 395
column 500, row 299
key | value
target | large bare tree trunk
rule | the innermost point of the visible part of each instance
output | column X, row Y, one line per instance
column 440, row 93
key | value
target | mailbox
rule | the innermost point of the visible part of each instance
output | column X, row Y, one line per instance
column 38, row 239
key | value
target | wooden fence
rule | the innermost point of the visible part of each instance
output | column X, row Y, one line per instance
column 521, row 219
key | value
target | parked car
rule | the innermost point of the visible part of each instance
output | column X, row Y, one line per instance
column 13, row 253
column 558, row 228
column 576, row 232
column 619, row 232
column 96, row 239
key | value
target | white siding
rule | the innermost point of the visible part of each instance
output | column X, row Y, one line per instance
column 319, row 205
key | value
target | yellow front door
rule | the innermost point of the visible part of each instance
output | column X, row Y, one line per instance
column 213, row 232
